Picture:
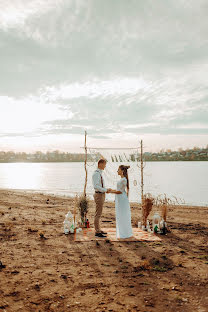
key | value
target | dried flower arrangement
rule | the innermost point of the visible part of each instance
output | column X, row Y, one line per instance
column 148, row 201
column 161, row 202
column 82, row 203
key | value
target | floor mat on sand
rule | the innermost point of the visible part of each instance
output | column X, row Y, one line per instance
column 139, row 235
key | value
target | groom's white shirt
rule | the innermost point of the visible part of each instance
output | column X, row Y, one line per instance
column 96, row 181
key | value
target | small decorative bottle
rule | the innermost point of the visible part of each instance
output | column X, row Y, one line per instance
column 163, row 227
column 156, row 222
column 88, row 224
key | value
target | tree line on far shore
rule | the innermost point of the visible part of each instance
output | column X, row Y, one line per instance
column 194, row 154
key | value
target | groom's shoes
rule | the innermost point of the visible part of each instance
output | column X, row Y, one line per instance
column 100, row 235
column 103, row 232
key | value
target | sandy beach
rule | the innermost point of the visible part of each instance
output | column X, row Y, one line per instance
column 42, row 269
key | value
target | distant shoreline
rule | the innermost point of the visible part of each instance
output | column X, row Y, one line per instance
column 195, row 154
column 70, row 197
column 46, row 161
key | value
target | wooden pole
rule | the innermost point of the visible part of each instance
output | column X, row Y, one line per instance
column 75, row 208
column 85, row 165
column 142, row 178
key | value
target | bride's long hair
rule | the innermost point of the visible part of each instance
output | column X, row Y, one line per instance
column 125, row 173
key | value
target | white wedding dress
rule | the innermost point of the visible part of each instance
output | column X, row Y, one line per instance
column 123, row 212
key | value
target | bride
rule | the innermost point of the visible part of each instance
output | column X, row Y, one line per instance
column 123, row 212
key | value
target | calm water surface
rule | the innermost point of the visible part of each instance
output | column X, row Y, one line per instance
column 185, row 180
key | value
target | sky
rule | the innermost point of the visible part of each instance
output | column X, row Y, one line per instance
column 121, row 70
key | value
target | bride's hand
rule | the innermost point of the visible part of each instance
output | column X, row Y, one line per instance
column 112, row 191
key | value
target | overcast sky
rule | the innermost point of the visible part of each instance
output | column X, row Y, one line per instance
column 122, row 70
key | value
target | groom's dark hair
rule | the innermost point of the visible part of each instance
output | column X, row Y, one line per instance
column 102, row 161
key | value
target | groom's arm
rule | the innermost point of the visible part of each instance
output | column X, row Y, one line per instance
column 115, row 192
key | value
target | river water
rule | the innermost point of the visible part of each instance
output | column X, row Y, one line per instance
column 185, row 180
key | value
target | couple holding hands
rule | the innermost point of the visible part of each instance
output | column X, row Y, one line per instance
column 122, row 206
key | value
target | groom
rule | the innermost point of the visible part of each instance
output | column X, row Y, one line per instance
column 99, row 196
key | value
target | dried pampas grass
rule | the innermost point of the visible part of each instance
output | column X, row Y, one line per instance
column 147, row 204
column 162, row 202
column 82, row 203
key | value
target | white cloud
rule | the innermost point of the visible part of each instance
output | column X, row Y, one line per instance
column 26, row 115
column 141, row 125
column 91, row 89
column 115, row 68
column 194, row 125
column 16, row 13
